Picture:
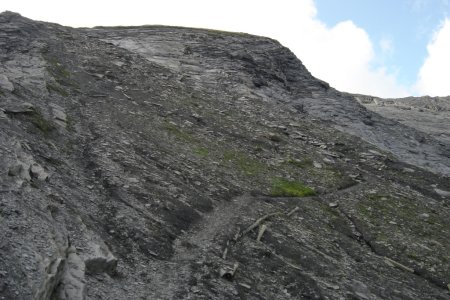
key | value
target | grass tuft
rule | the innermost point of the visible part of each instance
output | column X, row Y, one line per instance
column 305, row 163
column 53, row 87
column 42, row 123
column 202, row 151
column 244, row 163
column 286, row 188
column 177, row 132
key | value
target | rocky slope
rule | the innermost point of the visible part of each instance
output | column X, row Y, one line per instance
column 172, row 163
column 427, row 114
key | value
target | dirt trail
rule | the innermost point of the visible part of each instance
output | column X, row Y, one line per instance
column 219, row 222
column 192, row 247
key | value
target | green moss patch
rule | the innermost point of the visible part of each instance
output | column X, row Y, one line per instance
column 305, row 163
column 177, row 132
column 42, row 123
column 244, row 163
column 202, row 151
column 286, row 188
column 55, row 88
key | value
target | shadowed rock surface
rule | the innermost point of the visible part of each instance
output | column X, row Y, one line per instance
column 173, row 163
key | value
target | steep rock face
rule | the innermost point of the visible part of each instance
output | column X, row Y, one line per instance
column 174, row 163
column 213, row 57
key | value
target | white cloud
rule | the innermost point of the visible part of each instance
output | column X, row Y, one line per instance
column 341, row 55
column 434, row 73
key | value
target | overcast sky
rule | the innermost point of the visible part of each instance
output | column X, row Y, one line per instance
column 388, row 48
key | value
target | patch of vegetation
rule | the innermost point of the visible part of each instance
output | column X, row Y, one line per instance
column 413, row 255
column 41, row 123
column 57, row 69
column 70, row 126
column 244, row 163
column 177, row 132
column 258, row 149
column 202, row 151
column 305, row 163
column 286, row 188
column 54, row 88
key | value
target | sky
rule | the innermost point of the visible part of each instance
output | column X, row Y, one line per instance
column 385, row 48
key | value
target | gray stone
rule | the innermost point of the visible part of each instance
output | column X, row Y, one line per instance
column 15, row 170
column 442, row 192
column 424, row 216
column 317, row 165
column 18, row 107
column 361, row 290
column 38, row 172
column 72, row 283
column 100, row 260
column 58, row 113
column 5, row 84
column 54, row 273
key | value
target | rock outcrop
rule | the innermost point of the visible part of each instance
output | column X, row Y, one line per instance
column 173, row 163
column 426, row 114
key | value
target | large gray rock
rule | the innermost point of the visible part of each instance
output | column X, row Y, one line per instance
column 72, row 282
column 38, row 172
column 100, row 260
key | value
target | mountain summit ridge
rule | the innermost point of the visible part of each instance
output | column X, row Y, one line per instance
column 174, row 163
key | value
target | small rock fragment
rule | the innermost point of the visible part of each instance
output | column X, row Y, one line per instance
column 58, row 113
column 2, row 114
column 38, row 172
column 442, row 193
column 424, row 216
column 317, row 165
column 262, row 229
column 333, row 204
column 227, row 272
column 244, row 285
column 133, row 180
column 333, row 286
column 328, row 161
column 18, row 108
column 15, row 170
